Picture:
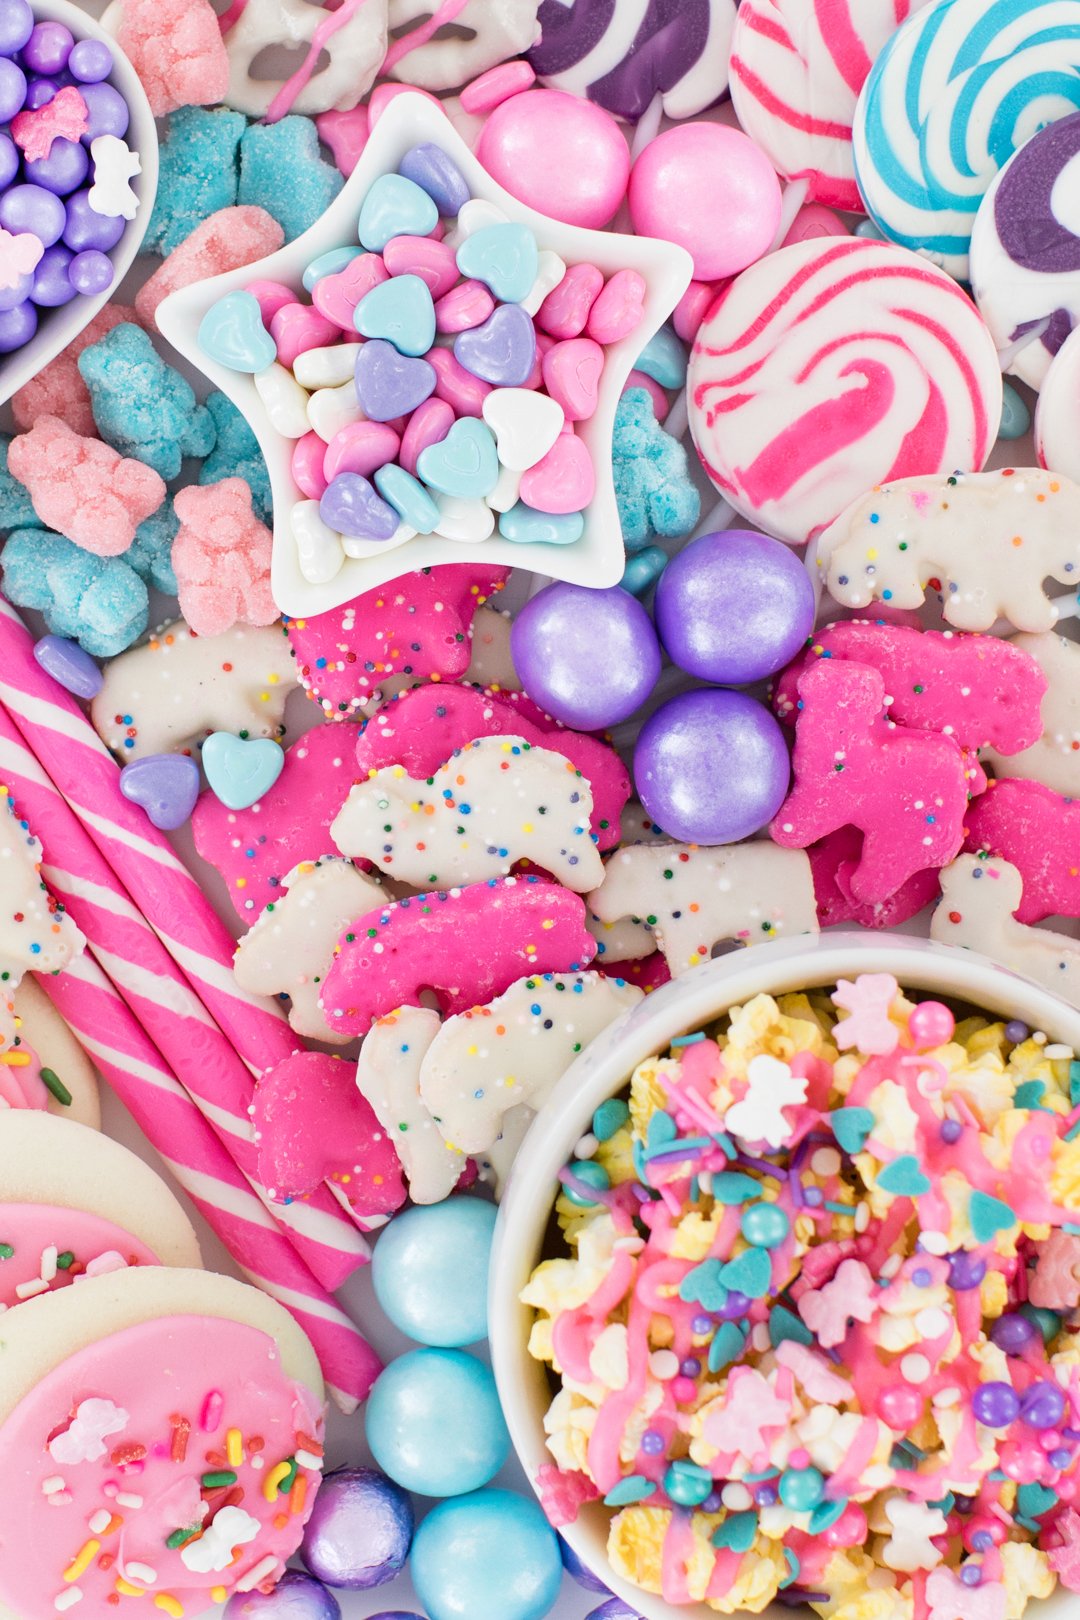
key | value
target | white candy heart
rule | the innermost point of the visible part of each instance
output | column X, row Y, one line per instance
column 525, row 423
column 331, row 409
column 473, row 217
column 328, row 367
column 505, row 493
column 550, row 272
column 285, row 401
column 356, row 547
column 114, row 165
column 461, row 519
column 318, row 547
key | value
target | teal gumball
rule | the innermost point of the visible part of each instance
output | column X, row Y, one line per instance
column 488, row 1556
column 801, row 1489
column 434, row 1423
column 430, row 1271
column 765, row 1226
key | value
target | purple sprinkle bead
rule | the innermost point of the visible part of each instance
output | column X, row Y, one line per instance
column 33, row 209
column 108, row 112
column 735, row 1305
column 951, row 1130
column 64, row 169
column 17, row 326
column 701, row 1324
column 1013, row 1333
column 390, row 384
column 997, row 1405
column 966, row 1271
column 352, row 506
column 430, row 168
column 766, row 1496
column 12, row 89
column 1061, row 1458
column 652, row 1444
column 16, row 26
column 86, row 229
column 165, row 785
column 52, row 286
column 90, row 61
column 39, row 92
column 1016, row 1031
column 502, row 351
column 90, row 272
column 69, row 666
column 1042, row 1406
column 48, row 48
column 971, row 1574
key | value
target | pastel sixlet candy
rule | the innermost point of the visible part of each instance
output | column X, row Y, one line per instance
column 353, row 39
column 979, row 901
column 486, row 32
column 34, row 931
column 987, row 541
column 830, row 366
column 388, row 1076
column 1036, row 830
column 1054, row 757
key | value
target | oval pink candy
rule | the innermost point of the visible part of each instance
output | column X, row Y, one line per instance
column 429, row 424
column 361, row 447
column 495, row 86
column 298, row 327
column 572, row 373
column 307, row 466
column 337, row 296
column 640, row 379
column 271, row 296
column 564, row 313
column 693, row 307
column 467, row 305
column 619, row 309
column 433, row 262
column 562, row 481
column 457, row 386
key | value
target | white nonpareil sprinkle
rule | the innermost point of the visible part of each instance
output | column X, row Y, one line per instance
column 664, row 1364
column 915, row 1368
column 586, row 1147
column 825, row 1162
column 99, row 1522
column 736, row 1498
column 935, row 1242
column 267, row 1567
column 68, row 1599
column 48, row 1263
column 932, row 1322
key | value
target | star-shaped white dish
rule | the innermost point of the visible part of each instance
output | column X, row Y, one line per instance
column 597, row 558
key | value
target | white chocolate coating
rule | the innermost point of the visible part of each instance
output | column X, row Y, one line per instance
column 1055, row 759
column 388, row 1075
column 31, row 934
column 978, row 899
column 355, row 50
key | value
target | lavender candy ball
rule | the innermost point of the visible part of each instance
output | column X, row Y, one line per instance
column 295, row 1597
column 17, row 293
column 1013, row 1333
column 64, row 169
column 12, row 89
column 590, row 658
column 48, row 48
column 734, row 607
column 90, row 272
column 33, row 209
column 39, row 92
column 16, row 25
column 52, row 285
column 10, row 158
column 711, row 767
column 360, row 1529
column 578, row 1571
column 90, row 61
column 107, row 110
column 85, row 229
column 17, row 326
column 997, row 1405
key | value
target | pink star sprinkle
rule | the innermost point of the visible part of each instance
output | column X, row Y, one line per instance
column 751, row 1406
column 65, row 115
column 851, row 1294
column 950, row 1599
column 19, row 256
column 1065, row 1560
column 867, row 1001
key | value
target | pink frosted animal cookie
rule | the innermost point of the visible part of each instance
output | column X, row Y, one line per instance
column 906, row 791
column 979, row 690
column 224, row 241
column 832, row 862
column 1038, row 831
column 312, row 1125
column 256, row 849
column 175, row 47
column 429, row 942
column 58, row 389
column 417, row 625
column 221, row 556
column 421, row 728
column 82, row 488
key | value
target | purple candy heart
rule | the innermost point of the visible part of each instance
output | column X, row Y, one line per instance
column 502, row 351
column 430, row 168
column 390, row 384
column 69, row 666
column 165, row 785
column 351, row 505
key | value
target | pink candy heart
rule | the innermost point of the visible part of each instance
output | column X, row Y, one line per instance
column 298, row 327
column 433, row 262
column 457, row 386
column 572, row 373
column 307, row 466
column 429, row 423
column 362, row 447
column 465, row 306
column 620, row 308
column 565, row 311
column 270, row 296
column 337, row 296
column 563, row 481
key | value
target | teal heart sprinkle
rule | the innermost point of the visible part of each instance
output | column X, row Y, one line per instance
column 1074, row 1082
column 635, row 1488
column 727, row 1346
column 1015, row 416
column 504, row 257
column 1029, row 1094
column 401, row 311
column 904, row 1178
column 232, row 333
column 826, row 1514
column 240, row 771
column 749, row 1274
column 662, row 1129
column 851, row 1127
column 784, row 1324
column 732, row 1187
column 988, row 1216
column 1035, row 1500
column 702, row 1286
column 737, row 1532
column 465, row 463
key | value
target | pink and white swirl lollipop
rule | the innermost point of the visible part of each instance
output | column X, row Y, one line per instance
column 832, row 366
column 796, row 70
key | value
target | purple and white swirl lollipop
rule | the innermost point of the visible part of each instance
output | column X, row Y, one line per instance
column 1025, row 251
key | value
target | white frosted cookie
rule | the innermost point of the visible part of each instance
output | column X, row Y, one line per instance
column 34, row 932
column 978, row 900
column 66, row 1069
column 388, row 1076
column 1055, row 759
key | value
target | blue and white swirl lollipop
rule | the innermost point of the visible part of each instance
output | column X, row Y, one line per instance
column 954, row 93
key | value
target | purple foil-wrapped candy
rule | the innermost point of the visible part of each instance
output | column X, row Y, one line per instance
column 360, row 1529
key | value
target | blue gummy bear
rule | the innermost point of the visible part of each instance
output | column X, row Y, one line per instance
column 150, row 553
column 97, row 601
column 237, row 455
column 199, row 173
column 141, row 405
column 16, row 507
column 283, row 171
column 652, row 476
column 27, row 556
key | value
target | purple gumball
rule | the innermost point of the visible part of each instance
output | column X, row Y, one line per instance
column 87, row 229
column 711, row 767
column 65, row 167
column 295, row 1597
column 10, row 159
column 90, row 61
column 17, row 326
column 17, row 293
column 90, row 272
column 48, row 48
column 107, row 111
column 39, row 92
column 590, row 658
column 360, row 1529
column 734, row 607
column 578, row 1571
column 52, row 286
column 12, row 89
column 16, row 25
column 32, row 209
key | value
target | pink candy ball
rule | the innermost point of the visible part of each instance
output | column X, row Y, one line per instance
column 711, row 190
column 565, row 157
column 900, row 1406
column 931, row 1024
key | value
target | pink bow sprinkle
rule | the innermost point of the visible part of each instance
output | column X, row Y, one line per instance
column 1055, row 1283
column 867, row 1001
column 19, row 256
column 751, row 1406
column 1065, row 1560
column 851, row 1294
column 65, row 115
column 950, row 1599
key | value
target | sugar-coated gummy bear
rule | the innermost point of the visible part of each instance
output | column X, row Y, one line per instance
column 150, row 553
column 58, row 388
column 652, row 481
column 16, row 507
column 283, row 171
column 237, row 455
column 176, row 48
column 100, row 602
column 222, row 559
column 199, row 173
column 82, row 488
column 225, row 241
column 141, row 405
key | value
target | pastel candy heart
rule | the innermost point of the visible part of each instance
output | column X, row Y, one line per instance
column 465, row 520
column 433, row 262
column 352, row 506
column 702, row 1286
column 331, row 410
column 389, row 384
column 428, row 424
column 737, row 1532
column 361, row 447
column 505, row 493
column 988, row 1216
column 326, row 367
column 564, row 312
column 328, row 264
column 464, row 306
column 643, row 570
column 477, row 215
column 749, row 1273
column 851, row 1127
column 69, row 666
column 240, row 770
column 620, row 308
column 729, row 1342
column 408, row 497
column 401, row 311
column 664, row 359
column 395, row 206
column 429, row 167
column 297, row 327
column 318, row 547
column 785, row 1325
column 306, row 465
column 572, row 373
column 504, row 257
column 905, row 1179
column 337, row 296
column 165, row 785
column 525, row 424
column 232, row 333
column 562, row 481
column 550, row 270
column 527, row 527
column 502, row 350
column 732, row 1187
column 465, row 463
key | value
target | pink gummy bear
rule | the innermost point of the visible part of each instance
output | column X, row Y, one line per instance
column 429, row 942
column 832, row 862
column 65, row 115
column 905, row 790
column 254, row 849
column 82, row 488
column 980, row 690
column 312, row 1125
column 1039, row 832
column 418, row 624
column 58, row 389
column 223, row 241
column 422, row 727
column 221, row 556
column 176, row 48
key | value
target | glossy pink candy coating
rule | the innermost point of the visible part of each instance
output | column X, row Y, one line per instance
column 295, row 328
column 812, row 222
column 497, row 85
column 457, row 386
column 711, row 190
column 562, row 481
column 308, row 456
column 931, row 1024
column 429, row 423
column 467, row 305
column 565, row 311
column 360, row 447
column 565, row 157
column 571, row 373
column 432, row 261
column 337, row 296
column 619, row 309
column 693, row 307
column 346, row 134
column 270, row 297
column 383, row 94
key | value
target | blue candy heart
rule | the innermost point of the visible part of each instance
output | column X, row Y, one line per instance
column 737, row 1532
column 465, row 463
column 395, row 207
column 664, row 359
column 165, row 785
column 401, row 311
column 904, row 1178
column 732, row 1187
column 240, row 770
column 529, row 528
column 389, row 384
column 702, row 1286
column 784, row 1324
column 988, row 1216
column 504, row 257
column 851, row 1127
column 232, row 333
column 728, row 1344
column 502, row 350
column 408, row 497
column 749, row 1274
column 328, row 264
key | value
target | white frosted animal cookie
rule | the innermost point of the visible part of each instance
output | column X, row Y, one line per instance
column 626, row 939
column 487, row 1061
column 170, row 692
column 479, row 35
column 290, row 948
column 354, row 46
column 693, row 899
column 1055, row 759
column 491, row 664
column 494, row 803
column 388, row 1075
column 978, row 899
column 984, row 542
column 34, row 933
column 497, row 1161
column 40, row 1027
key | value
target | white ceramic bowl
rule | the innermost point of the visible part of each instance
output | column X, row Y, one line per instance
column 602, row 1071
column 596, row 559
column 58, row 327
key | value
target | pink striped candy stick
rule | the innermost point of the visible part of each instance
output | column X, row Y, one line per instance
column 161, row 1108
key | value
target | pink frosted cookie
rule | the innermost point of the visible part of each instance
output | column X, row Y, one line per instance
column 430, row 942
column 175, row 47
column 421, row 728
column 223, row 241
column 417, row 625
column 979, row 690
column 1039, row 832
column 832, row 861
column 221, row 556
column 58, row 389
column 906, row 791
column 255, row 849
column 1054, row 757
column 82, row 488
column 312, row 1125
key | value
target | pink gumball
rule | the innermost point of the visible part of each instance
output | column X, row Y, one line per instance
column 931, row 1024
column 564, row 157
column 900, row 1406
column 711, row 190
column 813, row 222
